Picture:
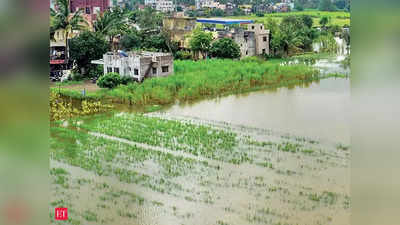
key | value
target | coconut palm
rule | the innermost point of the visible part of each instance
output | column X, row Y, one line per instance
column 63, row 18
column 112, row 23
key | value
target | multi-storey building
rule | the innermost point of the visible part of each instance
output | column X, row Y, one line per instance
column 90, row 7
column 253, row 40
column 161, row 5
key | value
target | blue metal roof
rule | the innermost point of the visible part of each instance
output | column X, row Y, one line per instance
column 223, row 21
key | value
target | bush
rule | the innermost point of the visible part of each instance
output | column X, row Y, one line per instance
column 96, row 71
column 126, row 80
column 110, row 80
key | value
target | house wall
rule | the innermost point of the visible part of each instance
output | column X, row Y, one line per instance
column 179, row 28
column 143, row 64
column 246, row 42
column 93, row 5
column 261, row 37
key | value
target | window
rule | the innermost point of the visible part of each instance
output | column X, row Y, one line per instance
column 247, row 52
column 109, row 69
column 164, row 69
column 265, row 39
column 154, row 70
column 116, row 70
column 252, row 27
column 87, row 10
column 263, row 51
column 136, row 71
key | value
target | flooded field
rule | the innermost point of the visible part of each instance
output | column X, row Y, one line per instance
column 318, row 109
column 168, row 169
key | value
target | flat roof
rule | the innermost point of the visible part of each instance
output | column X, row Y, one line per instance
column 224, row 21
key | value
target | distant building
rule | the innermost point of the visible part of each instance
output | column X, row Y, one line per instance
column 138, row 65
column 90, row 7
column 211, row 4
column 161, row 5
column 246, row 8
column 179, row 29
column 252, row 40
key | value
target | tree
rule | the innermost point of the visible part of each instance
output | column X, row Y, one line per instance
column 225, row 48
column 324, row 21
column 326, row 5
column 131, row 40
column 112, row 22
column 86, row 47
column 298, row 6
column 340, row 4
column 307, row 20
column 293, row 34
column 62, row 18
column 200, row 42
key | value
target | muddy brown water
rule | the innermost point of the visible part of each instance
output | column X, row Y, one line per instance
column 319, row 110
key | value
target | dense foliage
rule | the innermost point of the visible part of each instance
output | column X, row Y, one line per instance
column 293, row 35
column 201, row 42
column 86, row 47
column 109, row 80
column 225, row 48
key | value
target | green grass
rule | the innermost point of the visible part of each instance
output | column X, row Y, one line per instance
column 337, row 18
column 207, row 78
column 69, row 82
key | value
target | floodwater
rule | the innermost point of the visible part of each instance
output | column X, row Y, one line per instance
column 283, row 179
column 318, row 110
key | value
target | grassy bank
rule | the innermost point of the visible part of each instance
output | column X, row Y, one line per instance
column 196, row 80
column 337, row 18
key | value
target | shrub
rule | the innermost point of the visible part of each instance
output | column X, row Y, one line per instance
column 126, row 80
column 109, row 80
column 95, row 71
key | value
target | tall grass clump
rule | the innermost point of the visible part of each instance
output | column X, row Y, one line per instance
column 194, row 80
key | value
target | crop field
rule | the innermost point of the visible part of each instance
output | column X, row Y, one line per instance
column 121, row 168
column 337, row 18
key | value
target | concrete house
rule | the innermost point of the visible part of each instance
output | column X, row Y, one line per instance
column 138, row 65
column 179, row 29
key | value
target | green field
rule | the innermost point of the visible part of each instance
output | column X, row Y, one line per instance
column 208, row 78
column 337, row 18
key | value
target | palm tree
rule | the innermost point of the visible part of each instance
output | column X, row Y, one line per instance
column 112, row 23
column 63, row 18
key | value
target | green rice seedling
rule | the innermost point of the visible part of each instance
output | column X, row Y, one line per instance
column 89, row 216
